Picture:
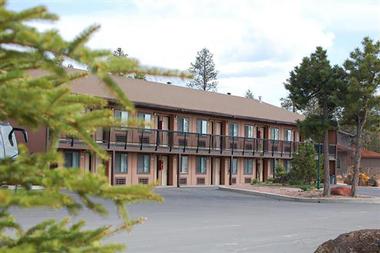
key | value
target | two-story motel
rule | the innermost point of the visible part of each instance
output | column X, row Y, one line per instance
column 191, row 137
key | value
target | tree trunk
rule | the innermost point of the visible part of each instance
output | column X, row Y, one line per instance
column 357, row 158
column 326, row 164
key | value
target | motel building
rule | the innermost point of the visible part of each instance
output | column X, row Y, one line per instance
column 191, row 137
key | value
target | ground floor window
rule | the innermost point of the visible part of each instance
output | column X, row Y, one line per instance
column 248, row 166
column 234, row 166
column 143, row 164
column 184, row 165
column 274, row 164
column 287, row 165
column 201, row 165
column 121, row 163
column 71, row 159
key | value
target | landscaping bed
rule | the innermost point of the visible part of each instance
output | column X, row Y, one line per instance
column 289, row 191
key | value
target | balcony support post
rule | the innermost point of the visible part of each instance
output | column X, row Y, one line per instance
column 184, row 142
column 197, row 143
column 209, row 143
column 221, row 144
column 273, row 148
column 244, row 145
column 126, row 139
column 141, row 139
column 157, row 139
column 233, row 145
column 109, row 138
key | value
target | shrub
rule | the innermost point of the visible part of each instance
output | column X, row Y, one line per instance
column 363, row 179
column 373, row 181
column 280, row 175
column 348, row 179
column 254, row 181
column 304, row 169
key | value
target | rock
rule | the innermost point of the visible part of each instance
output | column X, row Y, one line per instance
column 360, row 241
column 341, row 190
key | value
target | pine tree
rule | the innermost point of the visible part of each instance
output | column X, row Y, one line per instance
column 203, row 71
column 46, row 101
column 249, row 94
column 119, row 52
column 361, row 103
column 316, row 84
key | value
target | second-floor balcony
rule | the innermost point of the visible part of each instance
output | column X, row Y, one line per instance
column 167, row 141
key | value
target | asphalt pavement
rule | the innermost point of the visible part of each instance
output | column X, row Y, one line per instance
column 210, row 220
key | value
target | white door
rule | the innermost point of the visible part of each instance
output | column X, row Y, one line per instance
column 216, row 171
column 164, row 170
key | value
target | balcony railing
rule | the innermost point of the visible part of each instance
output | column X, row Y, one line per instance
column 174, row 141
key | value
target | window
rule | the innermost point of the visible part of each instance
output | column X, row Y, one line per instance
column 248, row 166
column 2, row 152
column 273, row 164
column 147, row 118
column 287, row 165
column 183, row 124
column 184, row 165
column 121, row 115
column 202, row 126
column 121, row 163
column 233, row 129
column 248, row 131
column 234, row 166
column 275, row 133
column 288, row 135
column 71, row 159
column 201, row 165
column 143, row 164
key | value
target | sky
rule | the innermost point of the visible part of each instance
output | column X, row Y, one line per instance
column 255, row 43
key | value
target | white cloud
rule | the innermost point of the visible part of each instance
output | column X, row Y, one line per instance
column 255, row 43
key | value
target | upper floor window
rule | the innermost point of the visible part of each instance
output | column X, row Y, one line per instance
column 275, row 133
column 147, row 118
column 184, row 165
column 233, row 129
column 143, row 164
column 288, row 135
column 234, row 168
column 201, row 165
column 183, row 124
column 121, row 162
column 71, row 159
column 248, row 131
column 202, row 126
column 248, row 166
column 121, row 115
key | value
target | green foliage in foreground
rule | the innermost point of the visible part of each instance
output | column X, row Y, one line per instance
column 46, row 101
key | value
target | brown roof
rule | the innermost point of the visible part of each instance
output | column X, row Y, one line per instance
column 171, row 97
column 369, row 154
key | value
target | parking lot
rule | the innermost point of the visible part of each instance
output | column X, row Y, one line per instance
column 210, row 220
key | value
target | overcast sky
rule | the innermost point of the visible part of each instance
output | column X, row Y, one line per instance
column 255, row 43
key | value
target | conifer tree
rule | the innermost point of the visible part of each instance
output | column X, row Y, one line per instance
column 318, row 85
column 46, row 101
column 361, row 103
column 249, row 94
column 203, row 72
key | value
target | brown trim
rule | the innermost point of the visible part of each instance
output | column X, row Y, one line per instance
column 207, row 113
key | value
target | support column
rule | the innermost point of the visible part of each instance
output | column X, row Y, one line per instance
column 179, row 164
column 112, row 166
column 230, row 177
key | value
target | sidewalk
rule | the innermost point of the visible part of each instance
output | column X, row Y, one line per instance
column 294, row 194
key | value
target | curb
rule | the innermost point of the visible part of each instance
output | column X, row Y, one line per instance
column 299, row 199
